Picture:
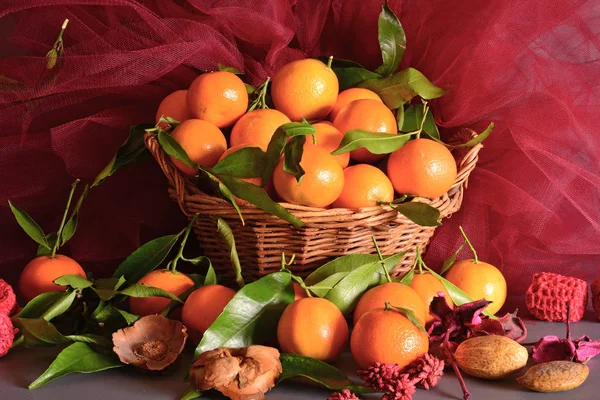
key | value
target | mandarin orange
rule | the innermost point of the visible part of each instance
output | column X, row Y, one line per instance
column 329, row 137
column 39, row 275
column 397, row 294
column 313, row 327
column 202, row 308
column 174, row 106
column 369, row 115
column 217, row 97
column 173, row 282
column 203, row 142
column 422, row 167
column 257, row 127
column 348, row 96
column 305, row 89
column 364, row 186
column 427, row 286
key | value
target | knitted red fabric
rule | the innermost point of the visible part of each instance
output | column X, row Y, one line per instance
column 549, row 294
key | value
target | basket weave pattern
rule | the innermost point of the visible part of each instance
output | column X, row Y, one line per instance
column 329, row 233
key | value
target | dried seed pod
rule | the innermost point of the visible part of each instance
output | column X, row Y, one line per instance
column 490, row 357
column 555, row 376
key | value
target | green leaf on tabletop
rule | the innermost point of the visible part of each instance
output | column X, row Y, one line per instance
column 71, row 225
column 227, row 235
column 229, row 69
column 190, row 394
column 76, row 358
column 351, row 76
column 449, row 262
column 48, row 305
column 294, row 366
column 400, row 88
column 252, row 315
column 339, row 62
column 346, row 293
column 257, row 196
column 477, row 139
column 107, row 313
column 74, row 281
column 278, row 142
column 420, row 213
column 137, row 290
column 392, row 41
column 39, row 332
column 221, row 189
column 323, row 287
column 375, row 142
column 131, row 152
column 145, row 259
column 174, row 149
column 345, row 263
column 292, row 156
column 411, row 317
column 31, row 228
column 247, row 162
column 458, row 296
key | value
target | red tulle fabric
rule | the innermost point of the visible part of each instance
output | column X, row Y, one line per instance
column 530, row 66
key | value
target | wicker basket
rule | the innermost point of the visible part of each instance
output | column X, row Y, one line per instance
column 329, row 233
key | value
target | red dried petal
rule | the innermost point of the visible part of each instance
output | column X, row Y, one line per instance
column 549, row 295
column 8, row 300
column 552, row 348
column 586, row 349
column 7, row 334
column 513, row 326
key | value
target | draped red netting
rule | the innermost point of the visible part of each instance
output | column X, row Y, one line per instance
column 531, row 67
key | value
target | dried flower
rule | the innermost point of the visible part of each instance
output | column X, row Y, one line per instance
column 380, row 376
column 552, row 348
column 240, row 374
column 343, row 395
column 7, row 334
column 596, row 296
column 8, row 300
column 426, row 371
column 403, row 389
column 154, row 342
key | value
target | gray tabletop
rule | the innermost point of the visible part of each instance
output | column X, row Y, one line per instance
column 22, row 366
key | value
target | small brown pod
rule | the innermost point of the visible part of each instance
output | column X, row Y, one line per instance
column 554, row 376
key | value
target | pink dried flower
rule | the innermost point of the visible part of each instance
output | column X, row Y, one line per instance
column 426, row 371
column 403, row 388
column 343, row 395
column 7, row 334
column 8, row 300
column 380, row 376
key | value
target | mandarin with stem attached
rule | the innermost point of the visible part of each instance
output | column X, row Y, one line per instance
column 348, row 96
column 322, row 183
column 369, row 115
column 171, row 281
column 174, row 106
column 202, row 308
column 299, row 293
column 217, row 97
column 395, row 293
column 364, row 186
column 203, row 142
column 39, row 275
column 428, row 286
column 423, row 168
column 257, row 127
column 387, row 336
column 329, row 137
column 305, row 89
column 313, row 327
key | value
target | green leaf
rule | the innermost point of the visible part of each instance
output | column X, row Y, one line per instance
column 45, row 251
column 78, row 357
column 339, row 62
column 323, row 287
column 458, row 296
column 430, row 127
column 392, row 41
column 408, row 278
column 31, row 228
column 294, row 366
column 400, row 88
column 190, row 394
column 71, row 225
column 137, row 290
column 211, row 276
column 413, row 116
column 347, row 292
column 227, row 235
column 448, row 263
column 247, row 162
column 222, row 190
column 278, row 142
column 411, row 317
column 145, row 259
column 375, row 142
column 351, row 76
column 110, row 314
column 400, row 118
column 257, row 196
column 73, row 280
column 229, row 69
column 345, row 263
column 477, row 139
column 252, row 315
column 131, row 152
column 420, row 213
column 174, row 149
column 48, row 305
column 292, row 156
column 39, row 332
